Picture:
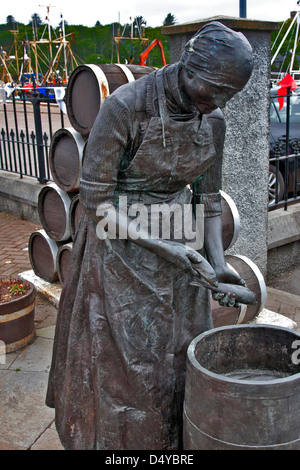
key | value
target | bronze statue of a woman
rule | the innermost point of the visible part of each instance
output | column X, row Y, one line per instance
column 129, row 309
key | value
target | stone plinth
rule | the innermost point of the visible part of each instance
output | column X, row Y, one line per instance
column 246, row 152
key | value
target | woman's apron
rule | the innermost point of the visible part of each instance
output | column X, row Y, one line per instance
column 126, row 316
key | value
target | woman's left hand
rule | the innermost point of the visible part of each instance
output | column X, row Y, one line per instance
column 227, row 276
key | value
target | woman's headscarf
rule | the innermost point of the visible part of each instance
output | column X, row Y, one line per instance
column 219, row 55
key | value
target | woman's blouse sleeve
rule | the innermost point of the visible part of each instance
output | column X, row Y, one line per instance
column 207, row 187
column 103, row 154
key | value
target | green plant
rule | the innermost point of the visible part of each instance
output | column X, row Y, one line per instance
column 16, row 288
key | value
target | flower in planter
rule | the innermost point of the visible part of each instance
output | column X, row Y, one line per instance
column 12, row 288
column 16, row 288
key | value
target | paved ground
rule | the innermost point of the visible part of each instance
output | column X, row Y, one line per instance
column 26, row 422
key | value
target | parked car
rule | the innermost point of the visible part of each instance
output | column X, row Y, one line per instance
column 278, row 144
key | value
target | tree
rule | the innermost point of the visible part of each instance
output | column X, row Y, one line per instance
column 61, row 24
column 97, row 23
column 169, row 20
column 139, row 22
column 10, row 20
column 36, row 20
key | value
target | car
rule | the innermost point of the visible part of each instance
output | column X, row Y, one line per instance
column 278, row 131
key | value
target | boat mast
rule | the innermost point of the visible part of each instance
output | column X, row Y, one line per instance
column 292, row 33
column 50, row 74
column 64, row 44
column 133, row 37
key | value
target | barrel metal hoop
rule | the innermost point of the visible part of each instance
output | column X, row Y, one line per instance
column 102, row 80
column 235, row 215
column 127, row 72
column 11, row 347
column 51, row 243
column 241, row 446
column 260, row 278
column 62, row 248
column 66, row 202
column 15, row 315
column 80, row 142
column 79, row 139
column 66, row 246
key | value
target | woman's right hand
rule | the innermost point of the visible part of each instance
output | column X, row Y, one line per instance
column 186, row 259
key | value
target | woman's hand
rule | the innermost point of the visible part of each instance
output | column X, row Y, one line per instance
column 186, row 259
column 228, row 276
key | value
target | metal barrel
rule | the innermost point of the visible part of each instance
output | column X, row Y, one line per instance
column 65, row 158
column 248, row 271
column 17, row 327
column 90, row 84
column 42, row 254
column 242, row 389
column 63, row 259
column 53, row 209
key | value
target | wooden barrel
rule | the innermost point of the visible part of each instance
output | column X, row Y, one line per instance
column 75, row 213
column 248, row 271
column 90, row 84
column 230, row 221
column 42, row 254
column 65, row 158
column 17, row 327
column 63, row 259
column 53, row 209
column 242, row 389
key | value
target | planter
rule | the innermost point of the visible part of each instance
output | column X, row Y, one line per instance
column 17, row 320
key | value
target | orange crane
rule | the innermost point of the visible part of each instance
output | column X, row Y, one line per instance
column 144, row 55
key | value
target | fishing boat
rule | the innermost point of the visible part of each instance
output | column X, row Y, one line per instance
column 39, row 64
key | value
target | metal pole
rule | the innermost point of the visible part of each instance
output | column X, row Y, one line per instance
column 39, row 136
column 287, row 145
column 243, row 8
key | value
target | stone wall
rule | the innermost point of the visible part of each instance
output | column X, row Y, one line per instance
column 246, row 152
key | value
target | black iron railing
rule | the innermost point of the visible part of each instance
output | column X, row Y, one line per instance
column 27, row 123
column 284, row 170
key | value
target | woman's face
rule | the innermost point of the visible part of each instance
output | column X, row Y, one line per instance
column 205, row 96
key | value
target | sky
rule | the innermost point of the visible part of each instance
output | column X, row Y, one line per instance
column 87, row 12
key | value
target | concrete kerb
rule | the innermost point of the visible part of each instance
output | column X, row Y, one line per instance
column 284, row 226
column 50, row 291
column 19, row 196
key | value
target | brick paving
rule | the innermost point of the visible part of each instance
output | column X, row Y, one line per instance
column 14, row 236
column 14, row 259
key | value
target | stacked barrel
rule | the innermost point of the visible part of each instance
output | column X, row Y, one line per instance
column 59, row 206
column 50, row 248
